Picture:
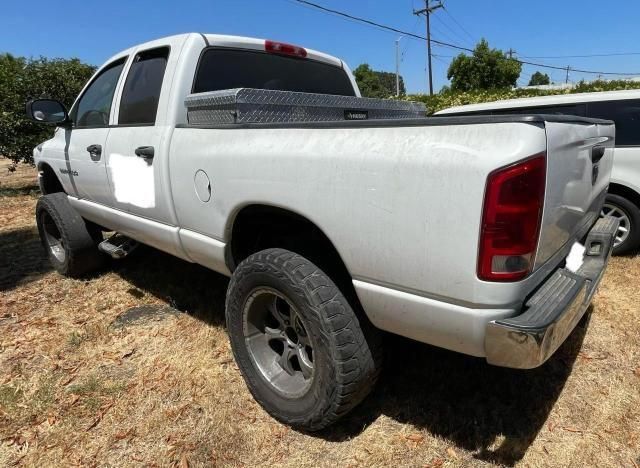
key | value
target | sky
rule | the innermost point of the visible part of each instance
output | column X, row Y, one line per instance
column 538, row 31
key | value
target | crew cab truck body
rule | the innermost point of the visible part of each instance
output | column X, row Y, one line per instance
column 623, row 107
column 464, row 233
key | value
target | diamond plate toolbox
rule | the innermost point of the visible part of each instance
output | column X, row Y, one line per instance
column 247, row 105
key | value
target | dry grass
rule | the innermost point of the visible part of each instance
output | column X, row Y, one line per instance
column 133, row 367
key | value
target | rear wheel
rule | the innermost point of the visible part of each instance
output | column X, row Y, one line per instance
column 70, row 242
column 628, row 236
column 297, row 341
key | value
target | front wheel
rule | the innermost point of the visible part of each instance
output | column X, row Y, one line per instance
column 70, row 242
column 628, row 236
column 297, row 341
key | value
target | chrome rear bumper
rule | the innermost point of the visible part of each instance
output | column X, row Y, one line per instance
column 529, row 339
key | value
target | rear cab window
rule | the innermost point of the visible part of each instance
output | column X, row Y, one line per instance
column 223, row 68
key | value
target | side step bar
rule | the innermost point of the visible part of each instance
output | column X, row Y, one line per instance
column 117, row 246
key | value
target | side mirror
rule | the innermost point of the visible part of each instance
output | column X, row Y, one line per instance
column 47, row 111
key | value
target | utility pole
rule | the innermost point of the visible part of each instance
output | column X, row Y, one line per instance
column 566, row 80
column 398, row 66
column 511, row 52
column 429, row 8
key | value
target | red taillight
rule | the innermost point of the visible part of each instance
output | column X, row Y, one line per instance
column 511, row 219
column 284, row 49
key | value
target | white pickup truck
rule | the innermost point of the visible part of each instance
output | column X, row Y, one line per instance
column 475, row 234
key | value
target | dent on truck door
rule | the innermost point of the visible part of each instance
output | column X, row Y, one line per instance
column 85, row 140
column 136, row 145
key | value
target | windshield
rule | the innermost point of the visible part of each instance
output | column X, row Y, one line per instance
column 233, row 68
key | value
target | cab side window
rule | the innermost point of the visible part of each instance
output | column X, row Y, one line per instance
column 93, row 108
column 141, row 93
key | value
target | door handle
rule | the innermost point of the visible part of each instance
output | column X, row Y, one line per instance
column 145, row 152
column 94, row 150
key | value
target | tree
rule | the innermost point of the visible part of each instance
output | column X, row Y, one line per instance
column 377, row 84
column 22, row 79
column 486, row 68
column 539, row 78
column 388, row 81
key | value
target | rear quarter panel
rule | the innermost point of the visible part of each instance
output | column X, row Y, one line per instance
column 402, row 205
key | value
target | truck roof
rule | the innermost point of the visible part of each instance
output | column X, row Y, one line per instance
column 545, row 101
column 240, row 42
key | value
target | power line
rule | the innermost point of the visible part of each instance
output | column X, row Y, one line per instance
column 446, row 44
column 446, row 10
column 442, row 33
column 407, row 43
column 455, row 34
column 362, row 20
column 581, row 56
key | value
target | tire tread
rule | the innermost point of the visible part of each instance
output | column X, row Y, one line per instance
column 356, row 359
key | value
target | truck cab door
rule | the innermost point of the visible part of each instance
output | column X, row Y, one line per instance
column 137, row 147
column 85, row 140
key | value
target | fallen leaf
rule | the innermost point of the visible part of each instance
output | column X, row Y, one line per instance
column 128, row 353
column 98, row 418
column 414, row 437
column 435, row 463
column 572, row 429
column 72, row 376
column 637, row 371
column 184, row 463
column 124, row 434
column 589, row 357
column 452, row 453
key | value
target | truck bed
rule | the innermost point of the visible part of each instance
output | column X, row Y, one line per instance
column 407, row 122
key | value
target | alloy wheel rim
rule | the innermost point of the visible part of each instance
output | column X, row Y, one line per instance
column 625, row 224
column 53, row 238
column 278, row 343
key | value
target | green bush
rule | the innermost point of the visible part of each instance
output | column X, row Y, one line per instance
column 448, row 98
column 22, row 79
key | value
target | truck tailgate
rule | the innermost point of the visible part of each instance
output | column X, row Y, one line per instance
column 579, row 160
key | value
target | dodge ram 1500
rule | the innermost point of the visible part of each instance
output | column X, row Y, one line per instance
column 335, row 216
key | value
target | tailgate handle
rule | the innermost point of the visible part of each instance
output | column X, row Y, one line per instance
column 597, row 152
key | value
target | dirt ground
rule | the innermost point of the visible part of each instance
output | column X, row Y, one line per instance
column 133, row 367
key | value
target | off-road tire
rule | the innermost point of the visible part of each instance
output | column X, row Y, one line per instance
column 632, row 242
column 78, row 252
column 346, row 348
